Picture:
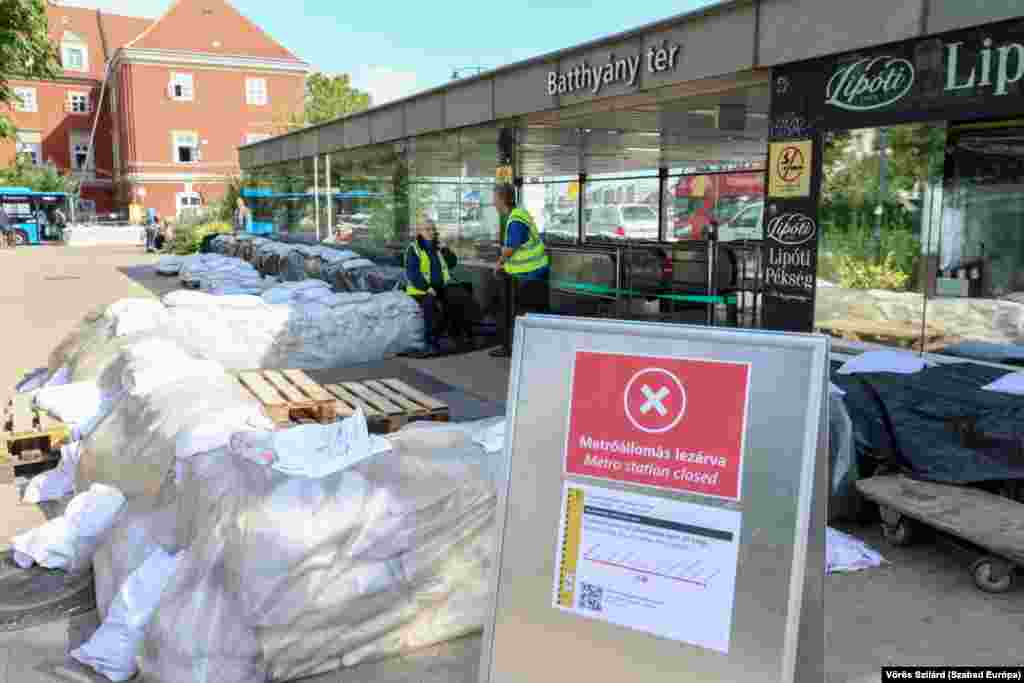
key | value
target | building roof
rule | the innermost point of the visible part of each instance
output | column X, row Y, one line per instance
column 102, row 33
column 210, row 27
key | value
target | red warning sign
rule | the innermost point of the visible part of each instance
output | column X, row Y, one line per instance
column 671, row 423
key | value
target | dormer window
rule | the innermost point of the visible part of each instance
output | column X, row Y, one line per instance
column 74, row 53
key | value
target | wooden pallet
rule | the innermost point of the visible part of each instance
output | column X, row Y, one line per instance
column 290, row 395
column 29, row 437
column 388, row 404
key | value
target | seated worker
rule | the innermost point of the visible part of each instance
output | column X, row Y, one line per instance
column 523, row 260
column 428, row 276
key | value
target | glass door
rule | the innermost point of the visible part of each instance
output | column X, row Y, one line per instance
column 978, row 278
column 881, row 204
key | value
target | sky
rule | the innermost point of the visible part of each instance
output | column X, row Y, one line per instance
column 395, row 48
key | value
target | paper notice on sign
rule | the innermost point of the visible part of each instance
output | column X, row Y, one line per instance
column 789, row 173
column 671, row 423
column 659, row 566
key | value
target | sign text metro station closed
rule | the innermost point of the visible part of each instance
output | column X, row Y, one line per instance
column 669, row 423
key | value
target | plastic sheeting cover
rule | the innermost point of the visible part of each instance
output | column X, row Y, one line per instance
column 288, row 576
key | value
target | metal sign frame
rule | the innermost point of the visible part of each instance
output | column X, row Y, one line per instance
column 777, row 627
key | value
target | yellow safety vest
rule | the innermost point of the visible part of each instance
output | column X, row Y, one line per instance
column 425, row 269
column 530, row 256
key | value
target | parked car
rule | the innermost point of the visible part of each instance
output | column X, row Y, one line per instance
column 625, row 221
column 747, row 224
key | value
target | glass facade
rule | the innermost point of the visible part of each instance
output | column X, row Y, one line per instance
column 922, row 242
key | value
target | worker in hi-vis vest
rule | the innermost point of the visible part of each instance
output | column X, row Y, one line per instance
column 524, row 261
column 428, row 268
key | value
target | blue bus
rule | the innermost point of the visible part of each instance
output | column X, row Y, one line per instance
column 269, row 208
column 25, row 208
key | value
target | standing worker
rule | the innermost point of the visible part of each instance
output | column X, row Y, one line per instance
column 523, row 264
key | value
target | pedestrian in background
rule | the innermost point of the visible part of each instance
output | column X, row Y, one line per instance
column 243, row 216
column 6, row 234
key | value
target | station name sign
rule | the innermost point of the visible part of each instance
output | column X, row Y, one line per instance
column 592, row 78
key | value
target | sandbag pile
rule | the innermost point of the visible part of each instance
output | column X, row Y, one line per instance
column 278, row 576
column 299, row 325
column 218, row 274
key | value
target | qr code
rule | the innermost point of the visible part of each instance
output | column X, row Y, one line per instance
column 590, row 597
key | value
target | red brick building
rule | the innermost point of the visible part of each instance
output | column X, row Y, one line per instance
column 166, row 102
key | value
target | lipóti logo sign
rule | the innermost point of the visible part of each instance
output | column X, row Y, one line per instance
column 871, row 83
column 792, row 229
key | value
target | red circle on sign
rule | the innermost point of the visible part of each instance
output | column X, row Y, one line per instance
column 791, row 164
column 655, row 400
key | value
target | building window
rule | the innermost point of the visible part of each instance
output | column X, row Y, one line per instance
column 256, row 91
column 251, row 138
column 186, row 147
column 75, row 57
column 29, row 145
column 180, row 88
column 78, row 103
column 79, row 149
column 25, row 99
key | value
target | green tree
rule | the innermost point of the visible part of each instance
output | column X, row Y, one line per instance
column 331, row 97
column 25, row 50
column 327, row 98
column 22, row 173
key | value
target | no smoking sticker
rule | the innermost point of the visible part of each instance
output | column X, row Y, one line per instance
column 790, row 169
column 671, row 423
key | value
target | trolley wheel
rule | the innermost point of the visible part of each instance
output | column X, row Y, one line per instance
column 902, row 532
column 20, row 238
column 992, row 575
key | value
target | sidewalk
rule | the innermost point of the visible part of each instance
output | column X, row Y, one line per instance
column 921, row 609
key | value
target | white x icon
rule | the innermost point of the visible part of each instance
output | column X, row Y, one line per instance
column 653, row 400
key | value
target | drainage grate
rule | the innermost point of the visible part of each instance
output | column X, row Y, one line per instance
column 58, row 278
column 36, row 596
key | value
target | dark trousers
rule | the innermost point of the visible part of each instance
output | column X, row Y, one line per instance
column 451, row 311
column 528, row 296
column 429, row 305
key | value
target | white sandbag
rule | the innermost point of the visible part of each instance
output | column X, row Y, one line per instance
column 134, row 447
column 353, row 264
column 113, row 648
column 32, row 381
column 146, row 380
column 169, row 265
column 56, row 483
column 69, row 541
column 71, row 403
column 142, row 526
column 133, row 316
column 848, row 554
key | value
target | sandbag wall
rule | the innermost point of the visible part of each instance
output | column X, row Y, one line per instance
column 261, row 569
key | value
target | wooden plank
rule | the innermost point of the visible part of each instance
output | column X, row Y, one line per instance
column 266, row 393
column 305, row 382
column 292, row 393
column 378, row 401
column 401, row 387
column 985, row 519
column 23, row 415
column 343, row 393
column 410, row 407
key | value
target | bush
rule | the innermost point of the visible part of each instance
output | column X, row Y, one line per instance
column 857, row 273
column 188, row 235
